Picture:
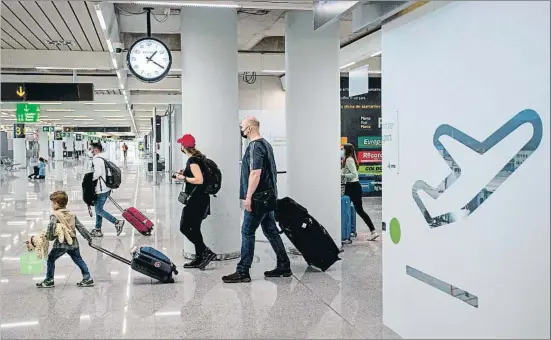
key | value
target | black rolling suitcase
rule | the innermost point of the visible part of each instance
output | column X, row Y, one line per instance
column 307, row 235
column 148, row 261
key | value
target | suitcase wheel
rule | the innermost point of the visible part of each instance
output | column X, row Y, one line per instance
column 175, row 272
column 146, row 233
column 171, row 280
column 354, row 235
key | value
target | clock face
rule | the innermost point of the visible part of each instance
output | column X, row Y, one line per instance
column 149, row 60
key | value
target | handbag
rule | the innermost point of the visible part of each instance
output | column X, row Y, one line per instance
column 184, row 197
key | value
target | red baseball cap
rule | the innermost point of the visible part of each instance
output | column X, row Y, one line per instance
column 187, row 141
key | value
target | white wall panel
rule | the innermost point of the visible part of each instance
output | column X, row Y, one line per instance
column 483, row 69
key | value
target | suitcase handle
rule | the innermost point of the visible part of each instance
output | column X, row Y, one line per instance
column 108, row 253
column 115, row 203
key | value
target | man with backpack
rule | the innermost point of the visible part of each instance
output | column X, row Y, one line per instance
column 107, row 176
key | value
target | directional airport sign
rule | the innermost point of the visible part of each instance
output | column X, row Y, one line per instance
column 27, row 113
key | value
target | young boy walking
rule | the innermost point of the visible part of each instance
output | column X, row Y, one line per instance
column 61, row 230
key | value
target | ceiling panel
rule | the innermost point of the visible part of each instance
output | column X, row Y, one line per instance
column 10, row 41
column 69, row 19
column 42, row 21
column 10, row 31
column 20, row 20
column 58, row 23
column 6, row 45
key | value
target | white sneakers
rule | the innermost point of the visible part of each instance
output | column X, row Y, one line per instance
column 373, row 235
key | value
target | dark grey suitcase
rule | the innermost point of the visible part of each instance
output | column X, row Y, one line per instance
column 147, row 261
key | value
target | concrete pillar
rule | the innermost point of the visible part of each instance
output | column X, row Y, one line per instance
column 43, row 144
column 209, row 63
column 312, row 102
column 165, row 146
column 58, row 150
column 69, row 143
column 177, row 156
column 20, row 152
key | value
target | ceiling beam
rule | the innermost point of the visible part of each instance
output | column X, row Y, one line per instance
column 252, row 4
column 27, row 59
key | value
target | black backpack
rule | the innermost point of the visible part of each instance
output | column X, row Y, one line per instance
column 113, row 175
column 213, row 177
column 89, row 190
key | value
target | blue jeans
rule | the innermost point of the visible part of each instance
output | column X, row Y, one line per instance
column 100, row 213
column 251, row 221
column 56, row 253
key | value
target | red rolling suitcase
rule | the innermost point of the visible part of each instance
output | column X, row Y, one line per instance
column 135, row 217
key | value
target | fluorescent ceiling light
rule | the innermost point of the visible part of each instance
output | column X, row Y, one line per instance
column 60, row 110
column 10, row 119
column 50, row 119
column 100, row 17
column 46, row 103
column 115, row 65
column 168, row 313
column 113, row 116
column 376, row 54
column 273, row 71
column 116, row 119
column 75, row 117
column 186, row 4
column 107, row 110
column 83, row 119
column 109, row 45
column 19, row 324
column 348, row 65
column 65, row 68
column 5, row 114
column 98, row 103
column 375, row 72
column 9, row 110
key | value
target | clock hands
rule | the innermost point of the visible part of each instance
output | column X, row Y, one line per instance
column 161, row 66
column 151, row 57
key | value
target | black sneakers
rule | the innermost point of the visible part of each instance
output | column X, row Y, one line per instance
column 194, row 264
column 278, row 273
column 237, row 277
column 46, row 284
column 118, row 226
column 86, row 283
column 208, row 256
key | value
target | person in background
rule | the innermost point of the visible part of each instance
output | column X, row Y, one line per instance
column 39, row 170
column 103, row 192
column 69, row 245
column 198, row 206
column 258, row 174
column 124, row 149
column 353, row 188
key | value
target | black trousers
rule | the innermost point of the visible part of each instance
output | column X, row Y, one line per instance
column 354, row 191
column 192, row 217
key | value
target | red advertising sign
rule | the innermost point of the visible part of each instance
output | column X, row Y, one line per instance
column 370, row 157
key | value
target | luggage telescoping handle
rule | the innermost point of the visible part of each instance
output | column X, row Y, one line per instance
column 115, row 203
column 108, row 253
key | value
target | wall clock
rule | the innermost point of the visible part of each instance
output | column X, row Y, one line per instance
column 149, row 59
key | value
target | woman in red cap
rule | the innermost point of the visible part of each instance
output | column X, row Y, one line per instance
column 197, row 207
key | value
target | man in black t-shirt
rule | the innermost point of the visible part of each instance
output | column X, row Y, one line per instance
column 258, row 174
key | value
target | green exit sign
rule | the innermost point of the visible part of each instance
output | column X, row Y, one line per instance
column 48, row 129
column 27, row 113
column 65, row 134
column 91, row 133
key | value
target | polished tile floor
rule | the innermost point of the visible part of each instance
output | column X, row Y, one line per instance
column 344, row 302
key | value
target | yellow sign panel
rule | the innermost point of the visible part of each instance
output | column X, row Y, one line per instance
column 344, row 140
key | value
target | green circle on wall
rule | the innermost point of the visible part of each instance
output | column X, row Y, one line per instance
column 395, row 231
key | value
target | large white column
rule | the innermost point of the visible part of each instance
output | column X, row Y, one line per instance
column 69, row 143
column 209, row 66
column 312, row 105
column 43, row 144
column 20, row 152
column 58, row 150
column 165, row 145
column 177, row 156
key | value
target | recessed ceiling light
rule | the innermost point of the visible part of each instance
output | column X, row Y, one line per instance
column 273, row 71
column 107, row 110
column 75, row 117
column 116, row 119
column 113, row 116
column 83, row 119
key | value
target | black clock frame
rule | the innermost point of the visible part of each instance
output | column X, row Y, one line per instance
column 143, row 79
